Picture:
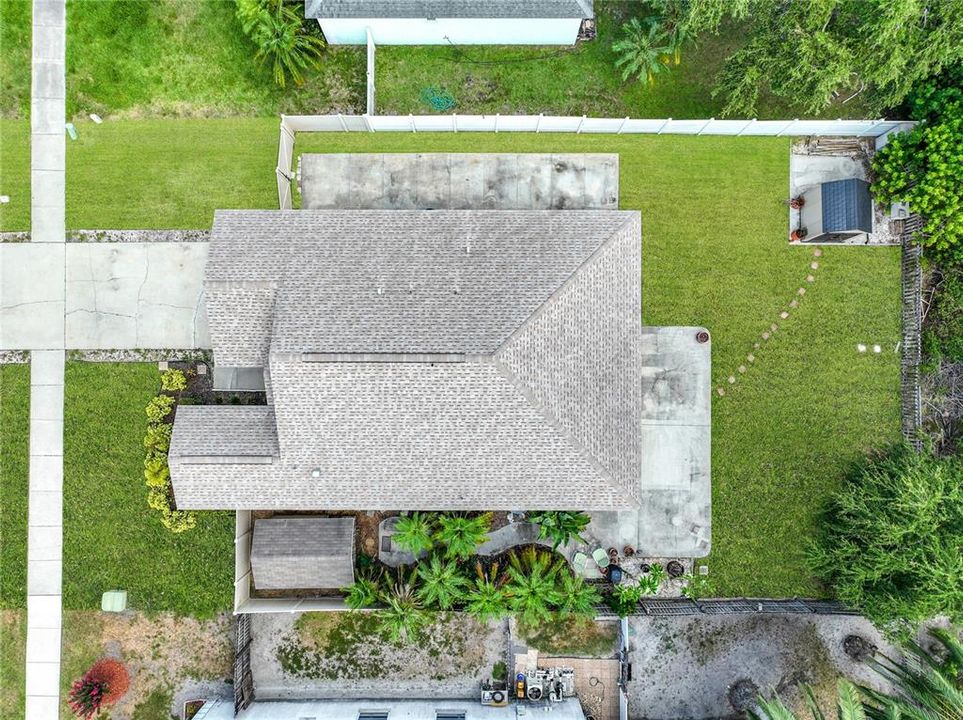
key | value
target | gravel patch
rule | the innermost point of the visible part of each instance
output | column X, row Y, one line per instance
column 121, row 236
column 450, row 661
column 685, row 668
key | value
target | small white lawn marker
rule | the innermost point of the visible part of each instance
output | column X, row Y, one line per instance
column 877, row 349
column 71, row 130
column 861, row 348
column 96, row 118
column 4, row 199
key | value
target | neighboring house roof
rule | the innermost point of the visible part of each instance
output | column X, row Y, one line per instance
column 846, row 205
column 542, row 9
column 427, row 359
column 291, row 553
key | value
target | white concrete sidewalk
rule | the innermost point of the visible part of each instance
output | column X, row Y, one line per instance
column 42, row 307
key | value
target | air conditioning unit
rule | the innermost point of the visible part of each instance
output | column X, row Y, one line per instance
column 494, row 698
column 535, row 689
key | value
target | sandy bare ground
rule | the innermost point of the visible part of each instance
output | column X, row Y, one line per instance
column 319, row 659
column 162, row 652
column 683, row 667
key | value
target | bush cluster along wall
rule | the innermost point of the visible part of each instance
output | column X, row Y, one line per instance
column 160, row 495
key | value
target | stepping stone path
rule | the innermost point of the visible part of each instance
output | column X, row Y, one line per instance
column 783, row 315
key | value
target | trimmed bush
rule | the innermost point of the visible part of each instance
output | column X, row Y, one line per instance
column 891, row 543
column 157, row 441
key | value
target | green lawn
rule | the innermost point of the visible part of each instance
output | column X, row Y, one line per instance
column 715, row 254
column 184, row 58
column 14, row 458
column 111, row 538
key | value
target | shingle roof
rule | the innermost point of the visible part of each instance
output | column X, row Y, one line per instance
column 235, row 431
column 291, row 553
column 387, row 281
column 448, row 9
column 538, row 405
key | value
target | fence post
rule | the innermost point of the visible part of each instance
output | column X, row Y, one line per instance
column 788, row 125
column 497, row 115
column 411, row 117
column 745, row 127
column 622, row 125
column 454, row 122
column 538, row 123
column 344, row 125
column 578, row 130
column 708, row 123
column 668, row 120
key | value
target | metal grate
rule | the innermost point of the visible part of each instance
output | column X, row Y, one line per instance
column 911, row 413
column 243, row 678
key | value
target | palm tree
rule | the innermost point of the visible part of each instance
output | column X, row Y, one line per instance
column 577, row 596
column 848, row 706
column 560, row 526
column 413, row 533
column 442, row 584
column 487, row 600
column 462, row 535
column 362, row 593
column 531, row 589
column 403, row 614
column 642, row 52
column 926, row 688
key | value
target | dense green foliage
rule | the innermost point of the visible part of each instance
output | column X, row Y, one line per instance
column 532, row 587
column 414, row 533
column 924, row 168
column 362, row 593
column 278, row 30
column 486, row 599
column 643, row 50
column 560, row 526
column 462, row 534
column 402, row 614
column 891, row 541
column 811, row 52
column 440, row 583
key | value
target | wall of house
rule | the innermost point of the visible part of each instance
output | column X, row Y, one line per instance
column 454, row 31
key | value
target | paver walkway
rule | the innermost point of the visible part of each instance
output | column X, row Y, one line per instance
column 46, row 271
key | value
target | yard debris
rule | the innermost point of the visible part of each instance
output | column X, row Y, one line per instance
column 96, row 118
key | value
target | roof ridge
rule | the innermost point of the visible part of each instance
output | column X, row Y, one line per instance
column 543, row 307
column 553, row 422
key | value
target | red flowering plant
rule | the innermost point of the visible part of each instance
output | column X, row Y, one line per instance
column 103, row 684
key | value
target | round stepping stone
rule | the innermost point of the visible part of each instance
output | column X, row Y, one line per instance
column 794, row 304
column 877, row 349
column 810, row 278
column 861, row 348
column 732, row 379
column 742, row 368
column 814, row 265
column 801, row 291
column 720, row 391
column 755, row 346
column 783, row 314
column 751, row 358
column 774, row 327
column 817, row 252
column 765, row 335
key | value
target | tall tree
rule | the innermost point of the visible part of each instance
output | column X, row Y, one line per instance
column 809, row 52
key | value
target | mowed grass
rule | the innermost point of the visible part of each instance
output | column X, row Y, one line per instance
column 168, row 58
column 14, row 480
column 112, row 539
column 714, row 254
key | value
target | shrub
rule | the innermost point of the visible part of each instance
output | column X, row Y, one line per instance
column 413, row 533
column 103, row 684
column 278, row 32
column 924, row 168
column 532, row 585
column 442, row 584
column 178, row 521
column 362, row 593
column 891, row 541
column 643, row 50
column 403, row 616
column 158, row 438
column 560, row 526
column 696, row 586
column 156, row 472
column 159, row 408
column 462, row 535
column 624, row 599
column 173, row 380
column 576, row 597
column 487, row 600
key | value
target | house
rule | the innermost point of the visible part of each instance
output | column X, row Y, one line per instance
column 451, row 22
column 431, row 360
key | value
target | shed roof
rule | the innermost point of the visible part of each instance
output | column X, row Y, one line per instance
column 846, row 206
column 291, row 553
column 542, row 9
